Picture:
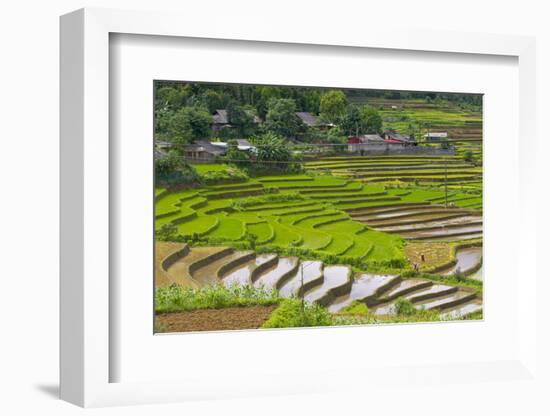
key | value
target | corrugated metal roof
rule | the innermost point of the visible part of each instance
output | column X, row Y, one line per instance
column 220, row 117
column 438, row 134
column 205, row 146
column 307, row 118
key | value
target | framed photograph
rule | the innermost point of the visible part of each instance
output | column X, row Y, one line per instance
column 279, row 207
column 281, row 213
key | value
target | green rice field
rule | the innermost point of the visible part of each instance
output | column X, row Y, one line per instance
column 308, row 211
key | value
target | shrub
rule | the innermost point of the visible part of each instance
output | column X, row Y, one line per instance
column 274, row 156
column 243, row 203
column 172, row 169
column 356, row 308
column 168, row 232
column 468, row 156
column 230, row 174
column 240, row 158
column 405, row 307
column 290, row 314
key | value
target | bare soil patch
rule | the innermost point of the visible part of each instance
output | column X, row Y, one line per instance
column 428, row 256
column 250, row 317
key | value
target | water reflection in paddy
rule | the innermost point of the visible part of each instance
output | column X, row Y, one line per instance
column 312, row 271
column 467, row 258
column 241, row 276
column 364, row 286
column 269, row 279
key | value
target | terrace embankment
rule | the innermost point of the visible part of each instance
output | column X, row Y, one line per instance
column 461, row 171
column 425, row 222
column 333, row 286
column 321, row 213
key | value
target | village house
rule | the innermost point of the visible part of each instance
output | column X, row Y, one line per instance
column 365, row 142
column 387, row 143
column 220, row 120
column 435, row 136
column 206, row 151
column 312, row 121
column 162, row 146
column 242, row 144
column 157, row 154
column 161, row 149
column 397, row 139
column 245, row 145
column 203, row 151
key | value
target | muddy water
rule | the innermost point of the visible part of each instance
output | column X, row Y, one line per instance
column 462, row 310
column 433, row 290
column 478, row 275
column 241, row 275
column 334, row 276
column 443, row 223
column 454, row 237
column 312, row 271
column 368, row 211
column 428, row 216
column 467, row 229
column 208, row 275
column 269, row 279
column 466, row 259
column 364, row 286
column 443, row 300
column 404, row 287
column 383, row 216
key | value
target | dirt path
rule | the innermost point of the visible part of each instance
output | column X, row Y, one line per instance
column 250, row 317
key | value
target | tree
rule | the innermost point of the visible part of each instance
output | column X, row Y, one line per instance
column 241, row 117
column 281, row 117
column 332, row 106
column 371, row 120
column 445, row 144
column 188, row 123
column 336, row 137
column 170, row 98
column 213, row 100
column 352, row 122
column 468, row 156
column 272, row 152
column 237, row 157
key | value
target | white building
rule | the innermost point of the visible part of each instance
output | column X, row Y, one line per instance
column 435, row 136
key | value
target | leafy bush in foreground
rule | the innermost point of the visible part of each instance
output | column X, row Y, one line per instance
column 178, row 299
column 290, row 314
column 357, row 313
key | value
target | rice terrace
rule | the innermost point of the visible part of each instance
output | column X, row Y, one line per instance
column 281, row 207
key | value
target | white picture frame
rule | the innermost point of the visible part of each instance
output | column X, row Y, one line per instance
column 86, row 265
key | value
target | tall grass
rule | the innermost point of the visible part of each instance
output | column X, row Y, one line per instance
column 178, row 299
column 357, row 313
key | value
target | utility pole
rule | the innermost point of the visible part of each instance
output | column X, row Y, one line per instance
column 302, row 287
column 446, row 203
